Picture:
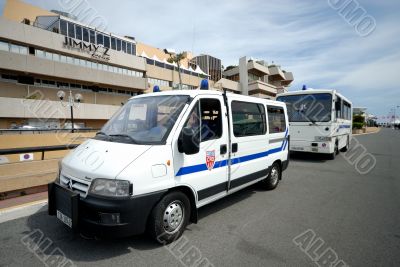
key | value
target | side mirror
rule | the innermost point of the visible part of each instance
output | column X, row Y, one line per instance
column 189, row 142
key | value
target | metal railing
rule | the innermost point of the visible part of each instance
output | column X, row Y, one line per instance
column 43, row 149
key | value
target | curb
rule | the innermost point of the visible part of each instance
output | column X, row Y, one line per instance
column 22, row 210
column 366, row 133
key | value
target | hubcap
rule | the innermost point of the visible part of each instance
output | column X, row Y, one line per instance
column 274, row 175
column 173, row 217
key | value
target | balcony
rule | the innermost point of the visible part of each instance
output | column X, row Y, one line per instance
column 257, row 69
column 276, row 74
column 288, row 79
column 228, row 85
column 262, row 88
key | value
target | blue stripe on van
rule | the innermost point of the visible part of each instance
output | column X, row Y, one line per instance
column 223, row 163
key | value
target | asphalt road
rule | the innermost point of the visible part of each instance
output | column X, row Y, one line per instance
column 356, row 218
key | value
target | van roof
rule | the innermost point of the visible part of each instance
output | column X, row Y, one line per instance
column 196, row 92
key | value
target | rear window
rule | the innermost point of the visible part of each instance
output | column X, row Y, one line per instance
column 276, row 119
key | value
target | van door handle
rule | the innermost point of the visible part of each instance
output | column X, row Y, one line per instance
column 222, row 149
column 234, row 147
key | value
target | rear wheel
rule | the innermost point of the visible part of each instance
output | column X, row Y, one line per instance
column 275, row 174
column 169, row 217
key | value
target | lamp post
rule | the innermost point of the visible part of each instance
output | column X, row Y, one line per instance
column 72, row 100
column 174, row 57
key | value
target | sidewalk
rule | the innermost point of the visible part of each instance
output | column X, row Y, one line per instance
column 16, row 202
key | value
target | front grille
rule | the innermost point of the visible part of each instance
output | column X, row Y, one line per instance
column 77, row 185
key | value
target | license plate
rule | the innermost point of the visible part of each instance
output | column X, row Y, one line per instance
column 64, row 218
column 314, row 149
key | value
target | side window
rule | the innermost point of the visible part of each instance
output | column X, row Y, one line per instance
column 206, row 119
column 276, row 119
column 338, row 108
column 248, row 119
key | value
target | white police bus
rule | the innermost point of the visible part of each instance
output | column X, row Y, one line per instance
column 320, row 120
column 163, row 155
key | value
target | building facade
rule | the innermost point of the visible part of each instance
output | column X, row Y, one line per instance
column 255, row 78
column 44, row 52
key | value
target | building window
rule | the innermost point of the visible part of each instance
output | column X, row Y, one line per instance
column 129, row 48
column 248, row 119
column 49, row 55
column 85, row 33
column 99, row 38
column 113, row 43
column 118, row 45
column 92, row 36
column 106, row 41
column 71, row 30
column 123, row 46
column 276, row 119
column 159, row 64
column 4, row 46
column 149, row 61
column 63, row 26
column 78, row 32
column 63, row 59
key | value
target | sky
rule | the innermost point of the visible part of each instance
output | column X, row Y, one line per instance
column 310, row 38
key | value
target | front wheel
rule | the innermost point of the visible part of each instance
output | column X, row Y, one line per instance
column 332, row 156
column 169, row 217
column 344, row 149
column 275, row 174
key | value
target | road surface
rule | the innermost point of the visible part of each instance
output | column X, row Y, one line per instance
column 354, row 217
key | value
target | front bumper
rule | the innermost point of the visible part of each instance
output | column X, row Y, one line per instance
column 311, row 146
column 99, row 216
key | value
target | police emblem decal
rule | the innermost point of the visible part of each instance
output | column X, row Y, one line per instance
column 210, row 159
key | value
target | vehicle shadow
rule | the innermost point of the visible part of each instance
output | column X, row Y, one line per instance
column 78, row 247
column 309, row 157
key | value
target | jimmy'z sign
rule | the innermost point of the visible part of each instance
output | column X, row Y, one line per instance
column 96, row 51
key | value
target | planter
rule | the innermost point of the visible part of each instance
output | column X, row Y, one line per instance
column 357, row 131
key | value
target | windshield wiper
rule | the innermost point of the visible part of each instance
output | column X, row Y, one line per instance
column 124, row 135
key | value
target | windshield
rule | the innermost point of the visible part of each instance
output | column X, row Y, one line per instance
column 308, row 107
column 144, row 120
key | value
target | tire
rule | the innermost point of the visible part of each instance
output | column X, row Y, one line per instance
column 169, row 217
column 275, row 174
column 332, row 156
column 344, row 149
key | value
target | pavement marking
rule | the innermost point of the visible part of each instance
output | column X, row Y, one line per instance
column 23, row 210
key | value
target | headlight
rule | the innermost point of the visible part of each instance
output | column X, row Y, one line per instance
column 109, row 188
column 323, row 138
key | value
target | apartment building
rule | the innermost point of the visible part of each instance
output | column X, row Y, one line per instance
column 256, row 78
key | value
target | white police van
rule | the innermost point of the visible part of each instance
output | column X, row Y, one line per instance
column 163, row 155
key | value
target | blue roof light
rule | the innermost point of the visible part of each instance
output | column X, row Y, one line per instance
column 156, row 89
column 204, row 84
column 304, row 87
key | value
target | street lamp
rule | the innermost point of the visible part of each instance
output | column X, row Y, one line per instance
column 72, row 101
column 174, row 57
